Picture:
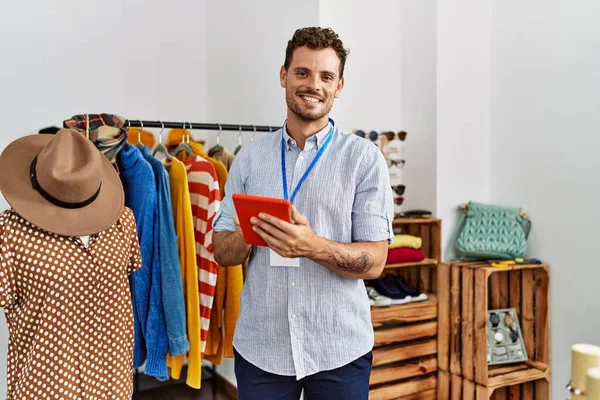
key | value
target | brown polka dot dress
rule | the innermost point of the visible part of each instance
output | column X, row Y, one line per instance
column 68, row 309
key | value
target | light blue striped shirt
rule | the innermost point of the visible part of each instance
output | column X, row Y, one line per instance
column 300, row 321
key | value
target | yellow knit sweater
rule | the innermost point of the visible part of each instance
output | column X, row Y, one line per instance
column 184, row 227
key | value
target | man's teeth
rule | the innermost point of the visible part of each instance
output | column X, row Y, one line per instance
column 314, row 100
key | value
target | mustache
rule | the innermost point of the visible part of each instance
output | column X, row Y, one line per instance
column 311, row 94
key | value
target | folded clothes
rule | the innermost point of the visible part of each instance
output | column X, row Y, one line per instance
column 414, row 242
column 404, row 254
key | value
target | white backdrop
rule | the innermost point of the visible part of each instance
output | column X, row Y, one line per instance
column 500, row 101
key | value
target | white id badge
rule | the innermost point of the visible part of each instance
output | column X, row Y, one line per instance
column 278, row 261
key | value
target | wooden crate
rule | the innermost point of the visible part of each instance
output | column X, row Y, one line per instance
column 512, row 386
column 421, row 274
column 405, row 352
column 466, row 291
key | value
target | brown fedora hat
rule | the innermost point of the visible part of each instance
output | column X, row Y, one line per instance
column 61, row 183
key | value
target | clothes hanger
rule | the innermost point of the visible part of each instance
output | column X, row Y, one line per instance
column 216, row 148
column 239, row 147
column 161, row 146
column 254, row 134
column 139, row 144
column 183, row 146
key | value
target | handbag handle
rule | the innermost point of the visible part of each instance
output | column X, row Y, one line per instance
column 450, row 250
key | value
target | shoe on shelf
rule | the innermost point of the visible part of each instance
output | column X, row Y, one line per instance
column 390, row 290
column 402, row 285
column 377, row 300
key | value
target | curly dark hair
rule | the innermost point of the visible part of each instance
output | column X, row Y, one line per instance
column 316, row 38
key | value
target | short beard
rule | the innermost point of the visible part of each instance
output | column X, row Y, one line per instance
column 295, row 108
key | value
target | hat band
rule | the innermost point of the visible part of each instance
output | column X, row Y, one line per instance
column 57, row 202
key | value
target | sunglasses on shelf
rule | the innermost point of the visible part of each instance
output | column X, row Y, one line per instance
column 373, row 135
column 399, row 163
column 391, row 135
column 399, row 190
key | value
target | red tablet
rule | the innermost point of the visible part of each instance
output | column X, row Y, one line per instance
column 248, row 206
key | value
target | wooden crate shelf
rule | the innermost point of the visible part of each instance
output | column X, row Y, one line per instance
column 405, row 360
column 422, row 388
column 467, row 290
column 428, row 262
column 405, row 313
column 391, row 373
column 415, row 221
column 514, row 383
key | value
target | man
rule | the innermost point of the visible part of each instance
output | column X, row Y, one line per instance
column 305, row 319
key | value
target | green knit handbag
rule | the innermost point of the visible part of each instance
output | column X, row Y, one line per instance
column 487, row 232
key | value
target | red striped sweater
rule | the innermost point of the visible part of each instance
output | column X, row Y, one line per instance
column 205, row 199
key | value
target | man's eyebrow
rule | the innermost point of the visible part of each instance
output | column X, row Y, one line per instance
column 297, row 69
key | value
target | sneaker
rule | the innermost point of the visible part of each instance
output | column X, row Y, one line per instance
column 377, row 300
column 390, row 290
column 401, row 284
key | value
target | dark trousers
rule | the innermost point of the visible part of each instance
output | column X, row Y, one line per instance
column 350, row 382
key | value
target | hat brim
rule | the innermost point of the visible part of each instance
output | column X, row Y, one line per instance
column 15, row 184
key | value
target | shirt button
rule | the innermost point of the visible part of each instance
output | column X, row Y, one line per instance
column 293, row 316
column 293, row 284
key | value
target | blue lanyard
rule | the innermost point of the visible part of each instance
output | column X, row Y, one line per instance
column 310, row 167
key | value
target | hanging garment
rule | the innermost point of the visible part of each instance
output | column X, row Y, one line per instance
column 184, row 227
column 165, row 244
column 140, row 190
column 205, row 199
column 175, row 137
column 146, row 137
column 225, row 312
column 68, row 309
column 223, row 155
column 106, row 131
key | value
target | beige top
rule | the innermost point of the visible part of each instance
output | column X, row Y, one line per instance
column 68, row 309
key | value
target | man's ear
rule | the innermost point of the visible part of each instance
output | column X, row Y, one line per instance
column 282, row 76
column 340, row 86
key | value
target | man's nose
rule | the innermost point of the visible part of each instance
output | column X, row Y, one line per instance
column 314, row 84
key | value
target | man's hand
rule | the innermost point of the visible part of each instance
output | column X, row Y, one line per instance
column 289, row 240
column 363, row 260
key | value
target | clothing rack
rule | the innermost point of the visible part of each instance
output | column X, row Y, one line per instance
column 193, row 126
column 200, row 126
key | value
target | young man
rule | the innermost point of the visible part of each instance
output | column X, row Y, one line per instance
column 305, row 321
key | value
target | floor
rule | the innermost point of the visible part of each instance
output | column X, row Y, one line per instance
column 182, row 392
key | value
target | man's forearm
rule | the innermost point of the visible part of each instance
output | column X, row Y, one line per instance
column 350, row 260
column 229, row 248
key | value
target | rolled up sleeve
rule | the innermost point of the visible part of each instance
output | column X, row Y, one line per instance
column 235, row 184
column 373, row 208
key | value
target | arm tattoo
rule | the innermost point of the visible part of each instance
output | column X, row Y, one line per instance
column 356, row 262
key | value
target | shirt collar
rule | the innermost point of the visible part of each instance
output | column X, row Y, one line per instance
column 319, row 137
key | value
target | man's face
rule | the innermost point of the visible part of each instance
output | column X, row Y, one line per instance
column 312, row 82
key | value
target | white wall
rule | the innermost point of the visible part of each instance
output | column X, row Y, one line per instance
column 544, row 152
column 463, row 106
column 418, row 73
column 138, row 59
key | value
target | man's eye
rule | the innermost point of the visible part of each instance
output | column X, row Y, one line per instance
column 328, row 78
column 301, row 73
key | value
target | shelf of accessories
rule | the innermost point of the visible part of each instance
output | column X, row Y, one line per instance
column 418, row 221
column 467, row 290
column 405, row 352
column 428, row 262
